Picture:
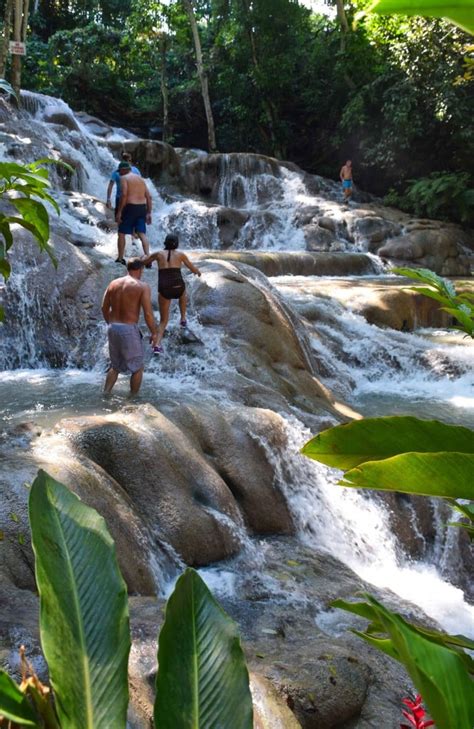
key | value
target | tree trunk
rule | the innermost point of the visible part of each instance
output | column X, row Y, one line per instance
column 342, row 17
column 7, row 19
column 164, row 88
column 19, row 33
column 211, row 134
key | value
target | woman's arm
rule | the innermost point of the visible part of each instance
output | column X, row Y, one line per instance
column 190, row 265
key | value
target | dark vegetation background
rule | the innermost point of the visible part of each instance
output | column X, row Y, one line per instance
column 395, row 94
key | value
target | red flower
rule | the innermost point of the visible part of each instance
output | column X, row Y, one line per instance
column 415, row 715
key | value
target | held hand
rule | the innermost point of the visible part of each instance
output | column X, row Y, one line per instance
column 118, row 218
column 109, row 204
column 154, row 339
column 148, row 219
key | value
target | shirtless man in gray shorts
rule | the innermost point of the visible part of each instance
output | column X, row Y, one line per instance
column 123, row 300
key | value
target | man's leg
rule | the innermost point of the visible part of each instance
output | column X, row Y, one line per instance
column 145, row 244
column 110, row 380
column 182, row 306
column 136, row 381
column 121, row 245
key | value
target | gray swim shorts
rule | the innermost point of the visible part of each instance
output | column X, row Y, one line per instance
column 126, row 348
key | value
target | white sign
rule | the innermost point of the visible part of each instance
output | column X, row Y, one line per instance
column 17, row 49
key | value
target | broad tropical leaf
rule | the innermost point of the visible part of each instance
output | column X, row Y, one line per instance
column 459, row 12
column 34, row 213
column 444, row 475
column 83, row 608
column 14, row 705
column 373, row 439
column 438, row 669
column 202, row 680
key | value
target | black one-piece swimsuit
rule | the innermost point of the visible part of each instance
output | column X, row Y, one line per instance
column 170, row 283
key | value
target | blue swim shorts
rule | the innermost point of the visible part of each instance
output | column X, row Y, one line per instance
column 133, row 218
column 346, row 184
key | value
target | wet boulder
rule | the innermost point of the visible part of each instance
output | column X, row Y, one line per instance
column 182, row 471
column 154, row 159
column 437, row 247
column 230, row 223
column 262, row 337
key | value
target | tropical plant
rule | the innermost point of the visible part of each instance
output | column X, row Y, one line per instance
column 458, row 11
column 23, row 186
column 6, row 87
column 403, row 453
column 437, row 663
column 459, row 306
column 446, row 195
column 415, row 714
column 202, row 679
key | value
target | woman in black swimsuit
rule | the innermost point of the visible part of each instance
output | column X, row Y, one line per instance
column 170, row 283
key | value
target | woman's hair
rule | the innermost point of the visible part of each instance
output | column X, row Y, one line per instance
column 126, row 156
column 171, row 242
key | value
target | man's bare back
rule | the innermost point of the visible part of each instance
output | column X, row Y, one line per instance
column 123, row 300
column 133, row 189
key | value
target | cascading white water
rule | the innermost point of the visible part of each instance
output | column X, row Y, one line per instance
column 360, row 360
column 353, row 527
column 378, row 369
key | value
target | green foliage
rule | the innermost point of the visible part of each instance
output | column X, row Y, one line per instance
column 400, row 453
column 459, row 306
column 14, row 704
column 458, row 11
column 419, row 457
column 393, row 93
column 199, row 643
column 436, row 662
column 446, row 195
column 24, row 185
column 202, row 679
column 83, row 608
column 7, row 88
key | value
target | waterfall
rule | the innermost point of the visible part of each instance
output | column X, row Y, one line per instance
column 352, row 526
column 265, row 202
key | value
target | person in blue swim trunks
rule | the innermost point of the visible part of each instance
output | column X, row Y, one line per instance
column 115, row 180
column 345, row 176
column 134, row 209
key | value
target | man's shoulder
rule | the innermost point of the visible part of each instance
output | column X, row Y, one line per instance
column 115, row 175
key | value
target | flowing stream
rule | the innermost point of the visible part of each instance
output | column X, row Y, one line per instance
column 376, row 371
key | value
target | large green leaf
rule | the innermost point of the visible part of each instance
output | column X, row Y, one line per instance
column 371, row 439
column 14, row 704
column 34, row 213
column 202, row 680
column 445, row 475
column 460, row 12
column 43, row 245
column 83, row 608
column 439, row 671
column 6, row 232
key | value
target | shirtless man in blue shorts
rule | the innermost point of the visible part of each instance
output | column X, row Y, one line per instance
column 134, row 210
column 346, row 178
